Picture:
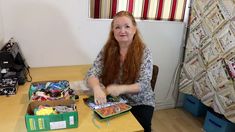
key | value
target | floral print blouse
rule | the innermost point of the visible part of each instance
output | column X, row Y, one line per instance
column 145, row 96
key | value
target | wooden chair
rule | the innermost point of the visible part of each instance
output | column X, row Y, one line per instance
column 154, row 76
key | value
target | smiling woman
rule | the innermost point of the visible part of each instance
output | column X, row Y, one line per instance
column 124, row 66
column 172, row 10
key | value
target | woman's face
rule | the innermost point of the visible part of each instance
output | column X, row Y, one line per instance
column 123, row 30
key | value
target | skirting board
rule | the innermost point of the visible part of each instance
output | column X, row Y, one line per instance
column 168, row 104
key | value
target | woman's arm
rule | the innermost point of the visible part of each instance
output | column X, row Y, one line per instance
column 93, row 82
column 116, row 90
column 146, row 70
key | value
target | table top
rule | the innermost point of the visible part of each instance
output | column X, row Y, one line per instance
column 13, row 108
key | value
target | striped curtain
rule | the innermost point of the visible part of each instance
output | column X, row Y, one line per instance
column 171, row 10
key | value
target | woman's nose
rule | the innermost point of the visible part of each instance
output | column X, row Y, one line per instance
column 123, row 29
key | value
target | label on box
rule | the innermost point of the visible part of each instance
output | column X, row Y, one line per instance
column 41, row 123
column 58, row 125
column 71, row 120
column 32, row 124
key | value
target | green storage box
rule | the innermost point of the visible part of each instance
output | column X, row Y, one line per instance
column 48, row 87
column 50, row 122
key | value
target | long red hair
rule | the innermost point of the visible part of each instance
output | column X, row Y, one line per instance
column 132, row 62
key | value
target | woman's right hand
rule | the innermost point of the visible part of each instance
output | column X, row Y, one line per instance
column 99, row 96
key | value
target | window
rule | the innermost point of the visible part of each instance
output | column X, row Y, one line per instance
column 172, row 10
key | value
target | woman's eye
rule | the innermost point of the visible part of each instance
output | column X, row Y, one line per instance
column 127, row 26
column 117, row 27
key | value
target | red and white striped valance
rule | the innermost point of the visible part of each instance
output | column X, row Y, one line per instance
column 172, row 10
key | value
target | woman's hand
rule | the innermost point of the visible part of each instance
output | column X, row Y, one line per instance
column 99, row 96
column 99, row 93
column 115, row 90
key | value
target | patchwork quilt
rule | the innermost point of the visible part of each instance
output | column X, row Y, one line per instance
column 208, row 70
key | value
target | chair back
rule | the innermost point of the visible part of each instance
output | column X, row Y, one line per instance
column 154, row 76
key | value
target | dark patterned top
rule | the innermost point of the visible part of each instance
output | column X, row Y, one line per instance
column 145, row 96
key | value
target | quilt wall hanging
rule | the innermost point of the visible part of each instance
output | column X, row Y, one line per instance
column 208, row 70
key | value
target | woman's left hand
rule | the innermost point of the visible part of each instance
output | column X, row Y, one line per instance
column 115, row 90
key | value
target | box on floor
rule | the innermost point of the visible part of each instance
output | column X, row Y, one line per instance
column 194, row 106
column 215, row 123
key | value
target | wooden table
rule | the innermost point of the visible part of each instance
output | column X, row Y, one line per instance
column 13, row 108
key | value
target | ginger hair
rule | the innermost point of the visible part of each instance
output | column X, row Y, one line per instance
column 132, row 62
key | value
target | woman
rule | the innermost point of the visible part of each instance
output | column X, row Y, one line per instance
column 124, row 66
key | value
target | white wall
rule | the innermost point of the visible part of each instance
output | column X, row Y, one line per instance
column 1, row 28
column 165, row 40
column 59, row 32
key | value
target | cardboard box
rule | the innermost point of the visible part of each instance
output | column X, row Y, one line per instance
column 194, row 106
column 50, row 122
column 48, row 87
column 216, row 123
